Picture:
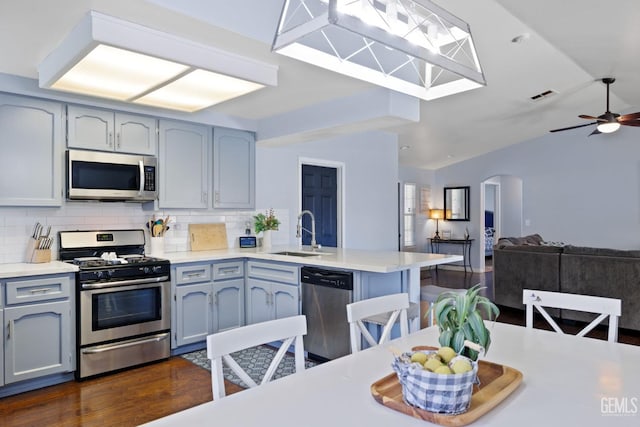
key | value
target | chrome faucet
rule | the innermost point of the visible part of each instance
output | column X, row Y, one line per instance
column 299, row 228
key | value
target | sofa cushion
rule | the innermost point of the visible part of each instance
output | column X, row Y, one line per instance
column 603, row 276
column 581, row 250
column 533, row 248
column 524, row 267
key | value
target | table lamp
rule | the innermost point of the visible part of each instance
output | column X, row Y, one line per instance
column 436, row 214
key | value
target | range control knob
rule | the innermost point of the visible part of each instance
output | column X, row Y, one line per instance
column 146, row 270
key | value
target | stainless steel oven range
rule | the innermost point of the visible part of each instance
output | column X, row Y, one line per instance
column 122, row 300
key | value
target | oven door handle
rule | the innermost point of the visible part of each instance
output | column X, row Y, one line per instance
column 102, row 349
column 125, row 282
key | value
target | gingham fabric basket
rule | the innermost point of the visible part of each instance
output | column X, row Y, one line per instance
column 446, row 394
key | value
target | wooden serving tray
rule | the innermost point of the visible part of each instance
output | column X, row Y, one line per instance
column 496, row 383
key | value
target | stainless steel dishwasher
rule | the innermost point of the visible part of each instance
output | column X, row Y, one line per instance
column 325, row 294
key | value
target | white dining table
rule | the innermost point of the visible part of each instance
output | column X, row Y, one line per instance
column 567, row 381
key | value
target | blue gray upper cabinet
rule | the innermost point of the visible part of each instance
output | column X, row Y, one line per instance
column 183, row 165
column 32, row 136
column 233, row 169
column 105, row 130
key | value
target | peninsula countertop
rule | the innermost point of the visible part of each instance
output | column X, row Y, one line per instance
column 350, row 259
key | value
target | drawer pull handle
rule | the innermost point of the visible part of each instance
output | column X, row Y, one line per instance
column 40, row 290
column 191, row 275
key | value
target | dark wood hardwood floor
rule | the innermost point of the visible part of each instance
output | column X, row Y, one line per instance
column 139, row 395
column 127, row 398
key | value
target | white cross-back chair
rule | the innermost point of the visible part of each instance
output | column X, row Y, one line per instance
column 358, row 312
column 605, row 307
column 221, row 345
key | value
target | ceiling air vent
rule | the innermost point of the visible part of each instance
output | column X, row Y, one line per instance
column 543, row 95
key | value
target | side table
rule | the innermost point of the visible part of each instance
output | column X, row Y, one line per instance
column 466, row 249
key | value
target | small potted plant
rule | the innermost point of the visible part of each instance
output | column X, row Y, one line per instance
column 459, row 318
column 265, row 224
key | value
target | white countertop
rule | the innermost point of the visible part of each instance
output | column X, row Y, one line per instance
column 26, row 269
column 567, row 380
column 350, row 259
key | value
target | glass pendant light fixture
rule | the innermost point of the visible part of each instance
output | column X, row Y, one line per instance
column 410, row 46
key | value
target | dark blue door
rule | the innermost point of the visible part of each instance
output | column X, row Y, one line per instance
column 320, row 196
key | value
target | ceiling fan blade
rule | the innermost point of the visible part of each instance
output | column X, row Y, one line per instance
column 631, row 116
column 573, row 127
column 629, row 122
column 584, row 116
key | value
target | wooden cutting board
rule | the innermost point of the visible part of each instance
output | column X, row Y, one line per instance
column 204, row 237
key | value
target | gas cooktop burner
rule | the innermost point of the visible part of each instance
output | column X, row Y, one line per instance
column 107, row 250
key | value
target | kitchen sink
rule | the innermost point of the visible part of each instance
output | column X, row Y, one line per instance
column 301, row 254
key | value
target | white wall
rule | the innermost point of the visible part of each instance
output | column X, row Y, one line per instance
column 370, row 177
column 577, row 189
column 510, row 206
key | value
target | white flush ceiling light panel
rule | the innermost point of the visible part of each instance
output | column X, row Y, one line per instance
column 110, row 58
column 410, row 46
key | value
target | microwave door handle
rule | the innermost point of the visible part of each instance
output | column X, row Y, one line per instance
column 141, row 165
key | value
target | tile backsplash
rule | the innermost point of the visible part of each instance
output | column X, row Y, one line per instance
column 16, row 224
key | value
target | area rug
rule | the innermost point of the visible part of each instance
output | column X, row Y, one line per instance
column 255, row 361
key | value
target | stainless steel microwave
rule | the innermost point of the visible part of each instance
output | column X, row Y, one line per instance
column 96, row 175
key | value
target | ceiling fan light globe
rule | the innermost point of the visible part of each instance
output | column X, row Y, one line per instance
column 608, row 127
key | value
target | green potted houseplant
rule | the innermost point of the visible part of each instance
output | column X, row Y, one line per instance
column 266, row 224
column 459, row 318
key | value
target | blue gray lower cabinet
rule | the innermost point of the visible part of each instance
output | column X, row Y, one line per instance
column 208, row 298
column 272, row 291
column 268, row 300
column 39, row 339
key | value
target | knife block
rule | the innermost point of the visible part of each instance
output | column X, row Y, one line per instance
column 35, row 255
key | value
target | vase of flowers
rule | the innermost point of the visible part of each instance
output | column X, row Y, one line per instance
column 265, row 224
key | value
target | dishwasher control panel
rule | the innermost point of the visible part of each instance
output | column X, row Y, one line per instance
column 330, row 278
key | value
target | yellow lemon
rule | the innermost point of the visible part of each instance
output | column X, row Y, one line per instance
column 419, row 357
column 446, row 353
column 444, row 369
column 460, row 366
column 432, row 364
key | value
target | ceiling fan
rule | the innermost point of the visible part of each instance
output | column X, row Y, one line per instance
column 607, row 122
